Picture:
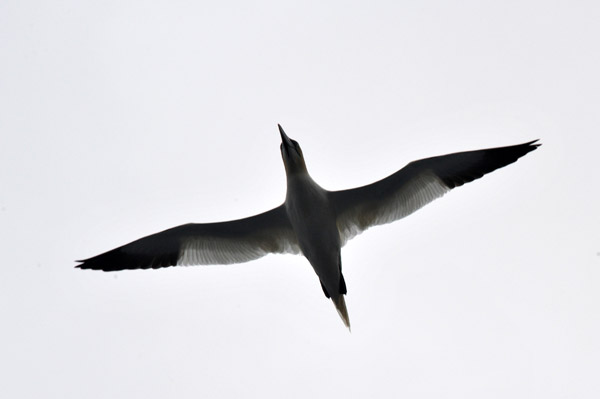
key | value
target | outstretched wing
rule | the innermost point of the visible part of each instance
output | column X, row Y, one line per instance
column 235, row 241
column 416, row 185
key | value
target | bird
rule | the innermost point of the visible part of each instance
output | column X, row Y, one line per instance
column 312, row 221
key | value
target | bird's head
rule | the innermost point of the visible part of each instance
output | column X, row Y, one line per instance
column 291, row 154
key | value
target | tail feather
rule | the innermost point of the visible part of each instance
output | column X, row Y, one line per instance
column 340, row 306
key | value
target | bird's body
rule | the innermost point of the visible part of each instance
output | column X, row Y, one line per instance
column 312, row 221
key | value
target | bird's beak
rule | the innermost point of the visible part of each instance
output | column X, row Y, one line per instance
column 285, row 140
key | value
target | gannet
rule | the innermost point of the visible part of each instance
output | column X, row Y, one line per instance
column 312, row 221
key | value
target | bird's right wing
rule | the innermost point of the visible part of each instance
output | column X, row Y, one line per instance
column 416, row 185
column 235, row 241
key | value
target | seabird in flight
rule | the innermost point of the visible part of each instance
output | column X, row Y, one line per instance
column 312, row 221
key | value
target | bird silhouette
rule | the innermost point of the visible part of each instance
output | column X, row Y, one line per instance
column 312, row 221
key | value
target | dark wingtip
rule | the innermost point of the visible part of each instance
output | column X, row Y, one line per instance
column 465, row 169
column 90, row 264
column 531, row 145
column 85, row 264
column 117, row 259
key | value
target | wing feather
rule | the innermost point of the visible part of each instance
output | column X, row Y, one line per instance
column 235, row 241
column 416, row 185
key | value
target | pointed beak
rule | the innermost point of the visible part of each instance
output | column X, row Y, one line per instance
column 284, row 138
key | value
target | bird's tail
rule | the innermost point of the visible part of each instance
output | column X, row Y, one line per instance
column 340, row 306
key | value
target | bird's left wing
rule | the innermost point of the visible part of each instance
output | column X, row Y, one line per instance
column 416, row 185
column 235, row 241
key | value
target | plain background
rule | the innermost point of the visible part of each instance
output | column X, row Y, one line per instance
column 120, row 119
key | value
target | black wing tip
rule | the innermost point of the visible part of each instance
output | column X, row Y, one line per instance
column 526, row 148
column 517, row 149
column 87, row 266
column 494, row 158
column 101, row 262
column 533, row 143
column 117, row 260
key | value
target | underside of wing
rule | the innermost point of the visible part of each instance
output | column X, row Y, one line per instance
column 235, row 241
column 416, row 185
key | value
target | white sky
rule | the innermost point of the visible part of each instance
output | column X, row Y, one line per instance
column 120, row 120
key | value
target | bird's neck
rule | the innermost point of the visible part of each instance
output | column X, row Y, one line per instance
column 297, row 168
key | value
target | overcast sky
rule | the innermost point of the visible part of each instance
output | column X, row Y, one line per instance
column 119, row 120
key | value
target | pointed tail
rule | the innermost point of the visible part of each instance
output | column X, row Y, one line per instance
column 340, row 306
